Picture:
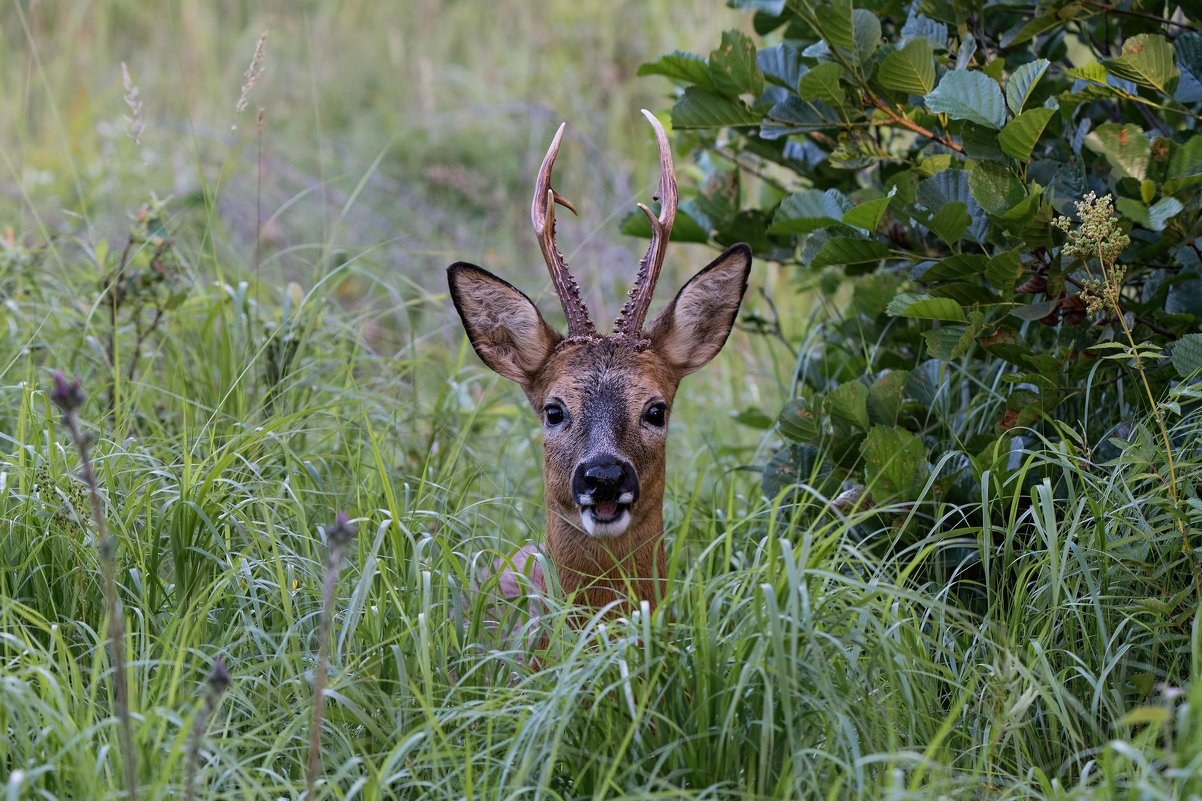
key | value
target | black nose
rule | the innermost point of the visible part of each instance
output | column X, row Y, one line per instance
column 606, row 478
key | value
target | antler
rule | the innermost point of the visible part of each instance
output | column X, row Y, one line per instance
column 634, row 311
column 542, row 214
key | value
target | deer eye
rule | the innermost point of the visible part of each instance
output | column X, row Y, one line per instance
column 553, row 413
column 655, row 414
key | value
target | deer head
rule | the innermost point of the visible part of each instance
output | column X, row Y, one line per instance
column 604, row 400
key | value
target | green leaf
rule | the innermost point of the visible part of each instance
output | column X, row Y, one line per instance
column 754, row 417
column 1017, row 216
column 718, row 196
column 1004, row 270
column 1092, row 72
column 1187, row 355
column 866, row 33
column 966, row 293
column 910, row 70
column 1124, row 146
column 928, row 383
column 1148, row 60
column 691, row 225
column 925, row 307
column 849, row 402
column 885, row 397
column 1035, row 311
column 995, row 187
column 895, row 462
column 837, row 25
column 848, row 250
column 797, row 422
column 733, row 66
column 698, row 108
column 1189, row 56
column 981, row 143
column 1022, row 81
column 682, row 67
column 947, row 342
column 951, row 221
column 780, row 64
column 918, row 26
column 809, row 210
column 796, row 464
column 954, row 268
column 939, row 193
column 872, row 293
column 868, row 215
column 969, row 95
column 1153, row 217
column 1185, row 165
column 822, row 83
column 1021, row 134
column 1032, row 29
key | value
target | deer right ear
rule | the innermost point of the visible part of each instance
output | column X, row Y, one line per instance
column 694, row 326
column 504, row 326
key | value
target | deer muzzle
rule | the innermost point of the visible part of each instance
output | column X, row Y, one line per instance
column 605, row 488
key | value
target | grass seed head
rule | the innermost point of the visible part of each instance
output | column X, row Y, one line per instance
column 253, row 73
column 134, row 122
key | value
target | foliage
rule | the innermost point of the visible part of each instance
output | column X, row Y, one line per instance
column 148, row 281
column 1030, row 640
column 794, row 660
column 913, row 158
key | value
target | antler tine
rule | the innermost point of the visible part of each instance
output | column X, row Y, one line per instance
column 634, row 311
column 542, row 214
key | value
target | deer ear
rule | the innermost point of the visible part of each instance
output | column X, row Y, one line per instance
column 504, row 327
column 695, row 325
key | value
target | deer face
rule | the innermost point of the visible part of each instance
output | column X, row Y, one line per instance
column 604, row 408
column 604, row 400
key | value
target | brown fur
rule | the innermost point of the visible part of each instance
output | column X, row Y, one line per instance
column 604, row 385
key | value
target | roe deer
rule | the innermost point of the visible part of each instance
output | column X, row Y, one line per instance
column 604, row 399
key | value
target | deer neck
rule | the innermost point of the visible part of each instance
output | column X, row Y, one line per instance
column 629, row 567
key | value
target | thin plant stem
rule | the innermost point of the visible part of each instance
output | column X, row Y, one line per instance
column 338, row 537
column 217, row 681
column 69, row 397
column 1157, row 413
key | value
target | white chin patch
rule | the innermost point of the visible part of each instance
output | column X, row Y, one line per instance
column 607, row 528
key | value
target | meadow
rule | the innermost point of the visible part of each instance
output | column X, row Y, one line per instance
column 254, row 301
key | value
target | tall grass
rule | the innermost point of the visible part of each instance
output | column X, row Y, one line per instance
column 1029, row 645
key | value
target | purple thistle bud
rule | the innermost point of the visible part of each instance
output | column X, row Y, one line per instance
column 67, row 395
column 342, row 532
column 219, row 677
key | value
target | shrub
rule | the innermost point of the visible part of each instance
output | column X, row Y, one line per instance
column 912, row 163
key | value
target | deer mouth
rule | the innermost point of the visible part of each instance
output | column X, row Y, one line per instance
column 605, row 519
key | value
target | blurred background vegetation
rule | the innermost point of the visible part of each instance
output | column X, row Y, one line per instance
column 405, row 133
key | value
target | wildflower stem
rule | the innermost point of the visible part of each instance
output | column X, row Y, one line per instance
column 217, row 680
column 338, row 537
column 1112, row 293
column 69, row 397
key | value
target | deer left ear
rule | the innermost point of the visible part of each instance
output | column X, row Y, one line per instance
column 695, row 325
